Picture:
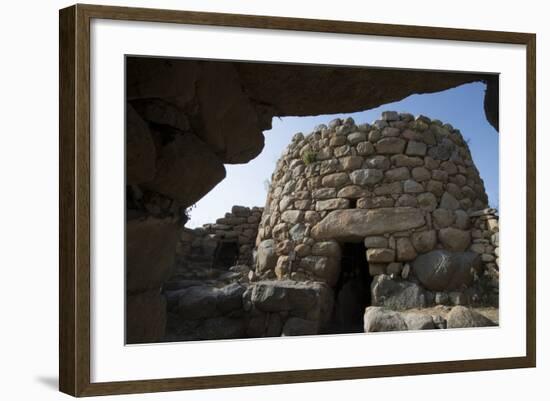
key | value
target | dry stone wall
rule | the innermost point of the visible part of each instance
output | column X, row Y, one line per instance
column 485, row 242
column 216, row 247
column 406, row 187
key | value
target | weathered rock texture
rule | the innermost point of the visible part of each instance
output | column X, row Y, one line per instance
column 187, row 118
column 407, row 188
column 214, row 248
column 378, row 319
column 217, row 309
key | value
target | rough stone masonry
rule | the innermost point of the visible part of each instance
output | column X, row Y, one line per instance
column 404, row 188
column 407, row 187
column 189, row 116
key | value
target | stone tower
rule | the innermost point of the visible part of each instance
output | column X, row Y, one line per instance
column 393, row 214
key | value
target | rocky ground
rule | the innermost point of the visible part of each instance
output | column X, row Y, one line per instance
column 379, row 319
column 228, row 305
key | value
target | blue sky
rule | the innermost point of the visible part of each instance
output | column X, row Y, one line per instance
column 462, row 107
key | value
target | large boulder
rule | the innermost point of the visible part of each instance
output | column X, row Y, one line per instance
column 222, row 113
column 229, row 121
column 177, row 166
column 460, row 317
column 441, row 270
column 382, row 319
column 313, row 301
column 397, row 294
column 150, row 252
column 378, row 319
column 277, row 296
column 298, row 90
column 359, row 223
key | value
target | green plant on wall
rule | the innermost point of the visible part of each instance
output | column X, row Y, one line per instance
column 309, row 157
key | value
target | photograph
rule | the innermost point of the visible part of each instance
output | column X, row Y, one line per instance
column 271, row 199
column 265, row 200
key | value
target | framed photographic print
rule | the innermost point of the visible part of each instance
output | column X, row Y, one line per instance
column 250, row 200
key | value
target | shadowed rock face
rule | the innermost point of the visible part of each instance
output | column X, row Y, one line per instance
column 300, row 90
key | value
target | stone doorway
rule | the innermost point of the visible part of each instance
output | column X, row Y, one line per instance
column 352, row 291
column 226, row 255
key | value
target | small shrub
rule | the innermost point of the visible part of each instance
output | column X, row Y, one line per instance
column 309, row 157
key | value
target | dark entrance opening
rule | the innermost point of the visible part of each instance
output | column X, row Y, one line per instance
column 226, row 255
column 352, row 291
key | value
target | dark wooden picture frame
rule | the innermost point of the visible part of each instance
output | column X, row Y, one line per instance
column 74, row 118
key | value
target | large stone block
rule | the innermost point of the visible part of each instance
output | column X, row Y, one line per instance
column 187, row 170
column 397, row 294
column 377, row 319
column 150, row 252
column 229, row 120
column 285, row 295
column 360, row 223
column 441, row 270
